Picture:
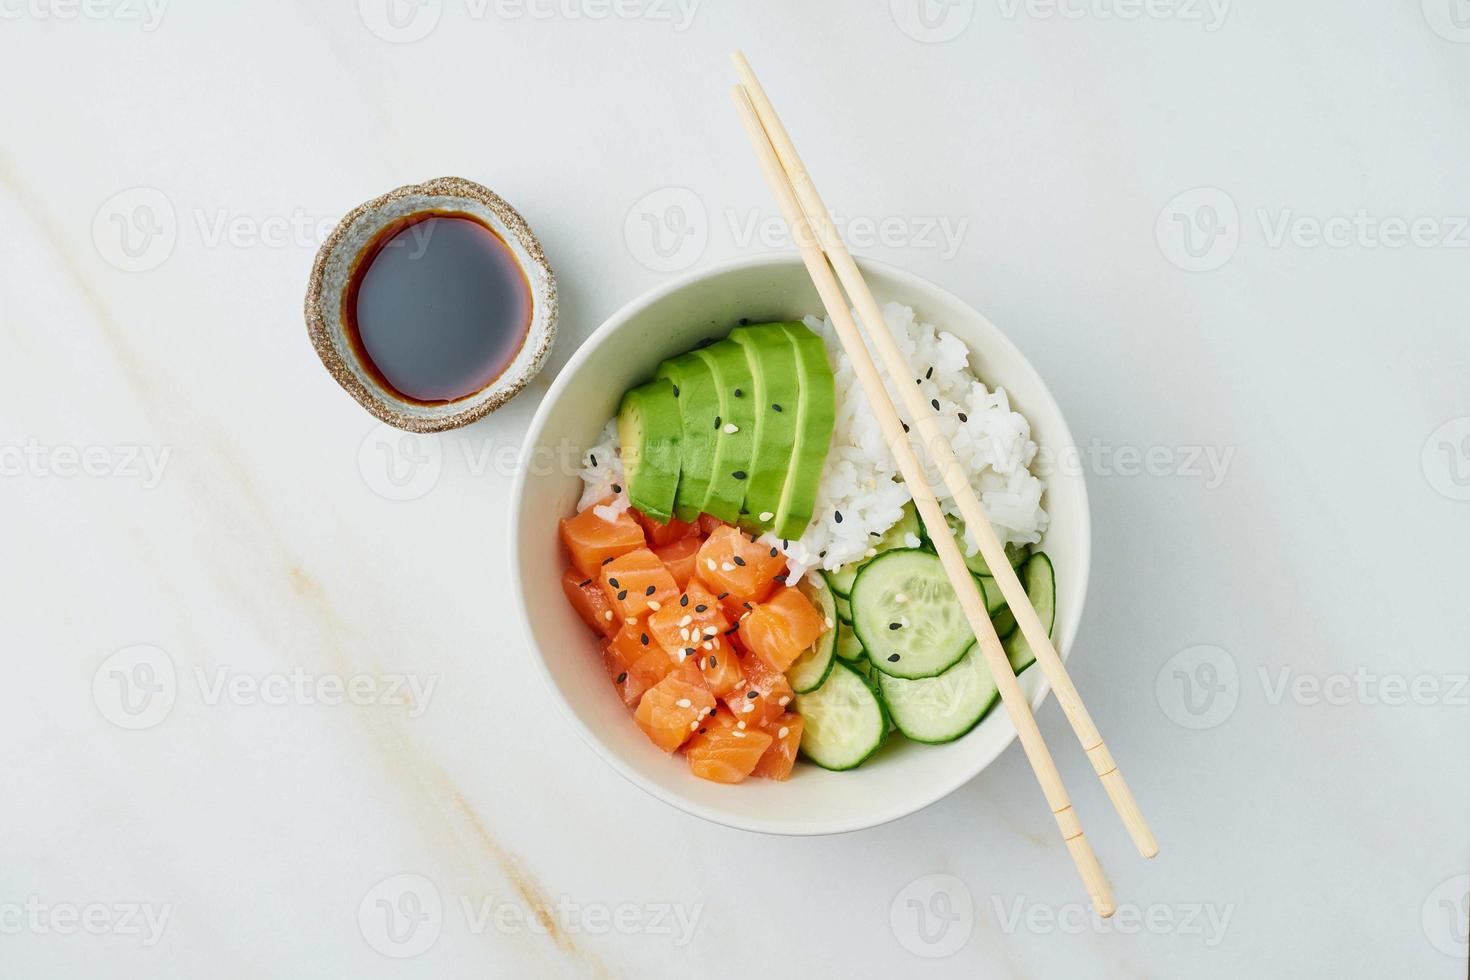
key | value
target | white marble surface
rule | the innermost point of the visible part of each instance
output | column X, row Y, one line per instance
column 180, row 473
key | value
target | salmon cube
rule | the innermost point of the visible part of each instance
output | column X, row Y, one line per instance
column 679, row 558
column 637, row 583
column 671, row 711
column 723, row 752
column 709, row 524
column 660, row 535
column 777, row 760
column 763, row 696
column 779, row 630
column 720, row 667
column 730, row 562
column 590, row 540
column 635, row 663
column 587, row 597
column 684, row 626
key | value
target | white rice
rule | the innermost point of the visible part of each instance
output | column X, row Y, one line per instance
column 861, row 480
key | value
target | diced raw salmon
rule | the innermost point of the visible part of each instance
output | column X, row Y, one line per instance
column 730, row 562
column 637, row 582
column 635, row 663
column 663, row 534
column 723, row 752
column 709, row 524
column 720, row 666
column 671, row 711
column 678, row 558
column 777, row 760
column 590, row 540
column 779, row 629
column 587, row 597
column 764, row 695
column 683, row 626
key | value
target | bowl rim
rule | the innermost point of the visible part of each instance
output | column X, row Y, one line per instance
column 894, row 809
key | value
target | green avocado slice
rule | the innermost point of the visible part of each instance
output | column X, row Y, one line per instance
column 649, row 429
column 772, row 360
column 734, row 428
column 816, row 414
column 694, row 388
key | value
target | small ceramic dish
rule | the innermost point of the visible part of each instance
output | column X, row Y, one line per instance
column 670, row 319
column 333, row 269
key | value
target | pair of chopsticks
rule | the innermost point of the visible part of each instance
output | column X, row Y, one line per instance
column 828, row 261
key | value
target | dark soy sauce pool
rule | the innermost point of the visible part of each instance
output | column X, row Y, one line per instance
column 437, row 306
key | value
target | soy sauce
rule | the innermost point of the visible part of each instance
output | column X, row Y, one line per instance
column 437, row 307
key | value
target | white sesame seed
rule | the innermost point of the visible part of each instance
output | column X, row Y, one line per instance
column 709, row 563
column 655, row 605
column 631, row 620
column 731, row 428
column 684, row 703
column 784, row 701
column 740, row 725
column 684, row 634
column 686, row 620
column 870, row 552
column 726, row 567
column 766, row 515
column 782, row 732
column 694, row 726
column 738, row 734
column 739, row 684
column 900, row 597
column 707, row 645
column 747, row 708
column 607, row 615
column 711, row 630
column 829, row 622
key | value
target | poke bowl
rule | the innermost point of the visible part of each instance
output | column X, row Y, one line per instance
column 562, row 478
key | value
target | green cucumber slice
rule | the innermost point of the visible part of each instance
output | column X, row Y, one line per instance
column 976, row 562
column 906, row 615
column 941, row 709
column 897, row 535
column 841, row 580
column 811, row 668
column 843, row 720
column 1001, row 616
column 844, row 607
column 849, row 648
column 1040, row 580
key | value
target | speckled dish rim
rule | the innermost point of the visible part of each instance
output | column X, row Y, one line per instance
column 324, row 326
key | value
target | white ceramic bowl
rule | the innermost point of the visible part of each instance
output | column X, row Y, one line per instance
column 904, row 776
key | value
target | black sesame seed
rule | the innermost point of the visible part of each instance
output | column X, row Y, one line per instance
column 775, row 407
column 918, row 381
column 747, row 605
column 593, row 457
column 584, row 583
column 785, row 543
column 781, row 578
column 739, row 393
column 617, row 488
column 837, row 516
column 738, row 474
column 874, row 534
column 723, row 595
column 739, row 561
column 613, row 582
column 622, row 677
column 650, row 590
column 684, row 600
column 752, row 694
column 703, row 730
column 713, row 663
column 643, row 638
column 608, row 559
column 732, row 631
column 894, row 626
column 676, row 391
column 935, row 403
column 701, row 608
column 774, row 552
column 623, row 594
column 688, row 651
column 717, row 421
column 905, row 426
column 964, row 417
column 929, row 373
column 893, row 658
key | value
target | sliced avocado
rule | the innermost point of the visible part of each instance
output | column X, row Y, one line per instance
column 815, row 415
column 772, row 361
column 694, row 387
column 734, row 428
column 649, row 429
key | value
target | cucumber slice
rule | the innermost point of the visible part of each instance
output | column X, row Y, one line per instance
column 841, row 580
column 1040, row 580
column 897, row 535
column 844, row 607
column 843, row 720
column 849, row 648
column 811, row 668
column 1016, row 553
column 1001, row 616
column 906, row 615
column 941, row 709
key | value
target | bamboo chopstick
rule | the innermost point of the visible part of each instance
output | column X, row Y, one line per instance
column 1032, row 742
column 955, row 480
